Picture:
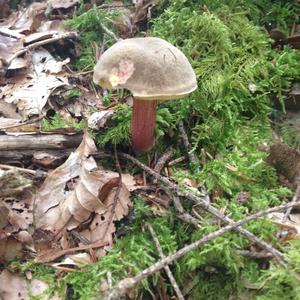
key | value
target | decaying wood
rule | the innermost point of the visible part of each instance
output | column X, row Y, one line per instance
column 204, row 204
column 39, row 141
column 25, row 156
column 120, row 289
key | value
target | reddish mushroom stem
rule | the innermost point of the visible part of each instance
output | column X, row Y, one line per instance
column 143, row 124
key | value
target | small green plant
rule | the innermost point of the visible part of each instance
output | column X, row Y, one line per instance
column 57, row 122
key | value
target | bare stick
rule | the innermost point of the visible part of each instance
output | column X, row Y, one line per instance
column 294, row 200
column 163, row 159
column 104, row 28
column 187, row 145
column 176, row 161
column 22, row 170
column 208, row 207
column 167, row 269
column 42, row 43
column 110, row 33
column 182, row 215
column 255, row 254
column 128, row 283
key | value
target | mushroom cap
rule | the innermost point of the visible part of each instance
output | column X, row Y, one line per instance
column 151, row 68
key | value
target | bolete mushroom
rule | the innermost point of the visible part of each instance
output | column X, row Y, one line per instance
column 152, row 70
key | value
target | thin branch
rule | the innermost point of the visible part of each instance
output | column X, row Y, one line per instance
column 55, row 38
column 110, row 33
column 176, row 161
column 22, row 170
column 201, row 201
column 128, row 283
column 255, row 254
column 294, row 200
column 163, row 159
column 167, row 269
column 187, row 145
column 104, row 28
column 182, row 214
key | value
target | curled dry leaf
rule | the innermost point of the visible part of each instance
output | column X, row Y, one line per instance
column 75, row 190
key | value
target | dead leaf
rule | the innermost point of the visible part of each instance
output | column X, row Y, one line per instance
column 9, row 43
column 10, row 248
column 60, row 204
column 29, row 19
column 98, row 119
column 31, row 91
column 12, row 183
column 4, row 9
column 3, row 216
column 57, row 4
column 16, row 287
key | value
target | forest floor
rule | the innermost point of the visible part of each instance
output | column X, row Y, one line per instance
column 211, row 211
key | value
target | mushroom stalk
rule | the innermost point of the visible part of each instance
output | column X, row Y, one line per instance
column 143, row 122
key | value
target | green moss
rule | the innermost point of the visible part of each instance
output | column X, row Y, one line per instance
column 57, row 122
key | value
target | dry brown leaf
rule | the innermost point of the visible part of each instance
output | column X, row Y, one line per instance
column 28, row 19
column 4, row 9
column 293, row 223
column 78, row 188
column 31, row 91
column 10, row 248
column 9, row 44
column 15, row 287
column 16, row 227
column 98, row 119
column 12, row 183
column 57, row 4
column 4, row 211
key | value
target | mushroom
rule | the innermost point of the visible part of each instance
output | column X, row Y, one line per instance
column 152, row 70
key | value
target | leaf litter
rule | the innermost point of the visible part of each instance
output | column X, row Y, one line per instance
column 81, row 194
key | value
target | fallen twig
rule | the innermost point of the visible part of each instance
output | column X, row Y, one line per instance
column 55, row 38
column 255, row 254
column 22, row 170
column 163, row 159
column 208, row 207
column 176, row 161
column 182, row 215
column 54, row 254
column 128, row 283
column 294, row 200
column 187, row 146
column 167, row 269
column 105, row 29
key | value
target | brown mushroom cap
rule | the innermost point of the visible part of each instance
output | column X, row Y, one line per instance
column 151, row 68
